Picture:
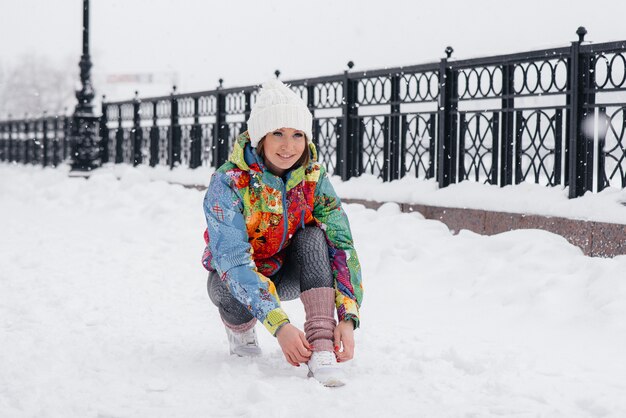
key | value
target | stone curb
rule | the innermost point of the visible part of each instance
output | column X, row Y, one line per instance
column 596, row 239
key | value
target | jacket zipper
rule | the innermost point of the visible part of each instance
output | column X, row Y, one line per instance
column 285, row 216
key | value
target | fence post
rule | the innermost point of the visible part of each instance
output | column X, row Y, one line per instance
column 5, row 142
column 3, row 127
column 507, row 138
column 19, row 143
column 10, row 146
column 310, row 104
column 580, row 143
column 18, row 154
column 26, row 142
column 136, row 132
column 461, row 153
column 37, row 128
column 247, row 108
column 349, row 148
column 66, row 134
column 175, row 132
column 44, row 159
column 403, row 133
column 448, row 98
column 431, row 145
column 495, row 123
column 104, row 132
column 154, row 136
column 517, row 149
column 55, row 143
column 119, row 137
column 195, row 147
column 558, row 146
column 394, row 134
column 220, row 137
column 4, row 154
column 603, row 121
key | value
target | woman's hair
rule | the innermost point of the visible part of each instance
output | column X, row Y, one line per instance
column 304, row 160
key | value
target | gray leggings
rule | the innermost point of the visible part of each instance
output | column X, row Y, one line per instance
column 306, row 266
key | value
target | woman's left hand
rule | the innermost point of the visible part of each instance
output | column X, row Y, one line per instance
column 344, row 338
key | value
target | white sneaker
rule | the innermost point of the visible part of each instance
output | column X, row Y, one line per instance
column 324, row 368
column 243, row 344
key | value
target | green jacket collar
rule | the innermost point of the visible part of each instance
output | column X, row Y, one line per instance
column 244, row 156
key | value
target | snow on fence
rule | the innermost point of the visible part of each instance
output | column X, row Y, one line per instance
column 552, row 117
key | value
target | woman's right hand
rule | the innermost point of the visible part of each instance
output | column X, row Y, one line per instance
column 294, row 345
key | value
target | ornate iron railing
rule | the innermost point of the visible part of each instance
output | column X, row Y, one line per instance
column 35, row 141
column 555, row 117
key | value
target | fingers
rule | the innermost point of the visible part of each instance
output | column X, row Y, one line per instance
column 296, row 348
column 348, row 346
column 299, row 358
column 300, row 353
column 305, row 342
column 348, row 349
column 347, row 353
column 337, row 339
column 290, row 361
column 303, row 354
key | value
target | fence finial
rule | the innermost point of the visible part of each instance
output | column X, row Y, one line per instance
column 277, row 73
column 581, row 32
column 221, row 81
column 104, row 98
column 449, row 50
column 174, row 89
column 137, row 93
column 350, row 65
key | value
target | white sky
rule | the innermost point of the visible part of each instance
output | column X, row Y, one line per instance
column 244, row 41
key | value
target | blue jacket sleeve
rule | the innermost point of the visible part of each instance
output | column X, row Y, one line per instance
column 232, row 253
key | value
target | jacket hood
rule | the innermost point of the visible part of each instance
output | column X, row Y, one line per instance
column 246, row 158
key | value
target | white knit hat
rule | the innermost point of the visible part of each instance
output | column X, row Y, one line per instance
column 277, row 106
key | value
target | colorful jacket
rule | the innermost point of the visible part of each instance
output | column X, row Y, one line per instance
column 251, row 216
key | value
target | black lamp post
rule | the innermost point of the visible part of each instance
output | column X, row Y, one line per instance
column 84, row 127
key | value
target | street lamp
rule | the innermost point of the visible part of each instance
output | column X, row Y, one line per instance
column 84, row 125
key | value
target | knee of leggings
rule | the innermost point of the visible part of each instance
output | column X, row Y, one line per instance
column 231, row 310
column 312, row 254
column 215, row 287
column 311, row 237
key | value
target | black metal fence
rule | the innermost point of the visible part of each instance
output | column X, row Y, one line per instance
column 552, row 117
column 35, row 141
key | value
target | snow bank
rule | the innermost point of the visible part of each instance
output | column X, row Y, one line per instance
column 527, row 198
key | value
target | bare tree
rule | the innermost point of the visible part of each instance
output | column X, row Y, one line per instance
column 34, row 84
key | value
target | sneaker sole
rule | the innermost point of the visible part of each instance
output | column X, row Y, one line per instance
column 331, row 382
column 246, row 353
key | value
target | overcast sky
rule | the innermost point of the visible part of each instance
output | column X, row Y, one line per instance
column 244, row 41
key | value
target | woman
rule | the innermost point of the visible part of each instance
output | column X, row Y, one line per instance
column 276, row 230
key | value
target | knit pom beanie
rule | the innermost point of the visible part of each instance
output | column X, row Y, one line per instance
column 277, row 106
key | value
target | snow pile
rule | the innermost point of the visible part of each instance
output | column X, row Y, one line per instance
column 528, row 198
column 104, row 313
column 607, row 206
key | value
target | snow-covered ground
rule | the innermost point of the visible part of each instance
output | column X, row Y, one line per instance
column 104, row 313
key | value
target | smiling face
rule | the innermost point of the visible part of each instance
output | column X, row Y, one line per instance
column 282, row 149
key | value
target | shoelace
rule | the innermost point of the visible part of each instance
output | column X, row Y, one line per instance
column 247, row 338
column 324, row 358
